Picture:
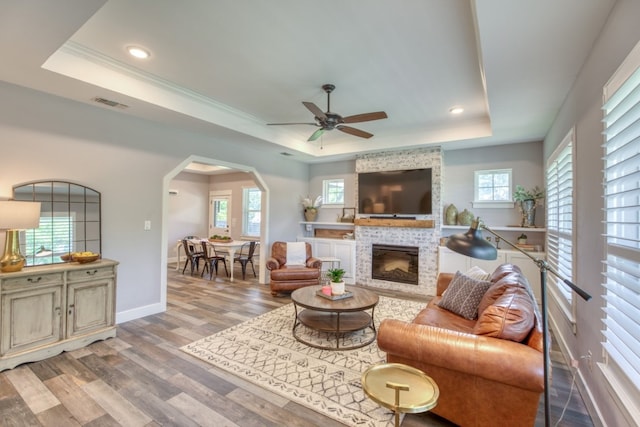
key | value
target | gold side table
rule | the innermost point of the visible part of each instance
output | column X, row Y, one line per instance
column 400, row 388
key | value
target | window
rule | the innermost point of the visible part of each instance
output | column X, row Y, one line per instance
column 492, row 188
column 251, row 207
column 560, row 217
column 333, row 192
column 622, row 233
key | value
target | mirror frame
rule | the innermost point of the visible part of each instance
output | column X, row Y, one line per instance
column 76, row 206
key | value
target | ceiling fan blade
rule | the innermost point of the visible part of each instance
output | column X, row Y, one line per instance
column 366, row 117
column 316, row 135
column 354, row 131
column 317, row 112
column 284, row 124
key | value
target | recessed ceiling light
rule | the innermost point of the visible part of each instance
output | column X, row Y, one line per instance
column 456, row 110
column 138, row 52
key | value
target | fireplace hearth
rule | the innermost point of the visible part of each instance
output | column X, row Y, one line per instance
column 395, row 263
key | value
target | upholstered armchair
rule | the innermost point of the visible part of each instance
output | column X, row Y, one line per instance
column 288, row 278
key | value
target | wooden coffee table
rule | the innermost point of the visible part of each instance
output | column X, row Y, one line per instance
column 334, row 317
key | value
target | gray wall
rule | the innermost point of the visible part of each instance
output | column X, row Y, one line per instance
column 128, row 161
column 582, row 110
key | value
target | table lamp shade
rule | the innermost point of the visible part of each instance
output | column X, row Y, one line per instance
column 16, row 215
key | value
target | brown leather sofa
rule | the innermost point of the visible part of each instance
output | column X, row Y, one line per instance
column 484, row 378
column 287, row 279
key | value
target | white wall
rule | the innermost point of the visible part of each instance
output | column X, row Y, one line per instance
column 337, row 170
column 127, row 160
column 582, row 110
column 188, row 210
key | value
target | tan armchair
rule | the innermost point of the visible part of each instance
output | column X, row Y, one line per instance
column 285, row 278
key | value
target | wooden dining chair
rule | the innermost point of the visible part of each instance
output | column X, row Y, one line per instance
column 211, row 261
column 193, row 256
column 245, row 256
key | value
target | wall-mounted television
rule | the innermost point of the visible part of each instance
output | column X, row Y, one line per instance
column 399, row 192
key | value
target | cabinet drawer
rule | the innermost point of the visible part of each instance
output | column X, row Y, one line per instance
column 90, row 274
column 36, row 279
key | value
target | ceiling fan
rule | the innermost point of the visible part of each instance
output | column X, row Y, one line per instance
column 329, row 121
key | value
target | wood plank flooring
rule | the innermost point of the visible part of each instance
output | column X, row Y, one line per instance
column 141, row 378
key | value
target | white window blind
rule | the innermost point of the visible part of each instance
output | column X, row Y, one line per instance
column 560, row 214
column 622, row 221
column 251, row 211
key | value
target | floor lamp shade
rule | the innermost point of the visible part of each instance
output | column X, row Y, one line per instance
column 16, row 216
column 472, row 244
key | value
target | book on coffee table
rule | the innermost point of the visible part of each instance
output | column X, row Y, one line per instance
column 347, row 294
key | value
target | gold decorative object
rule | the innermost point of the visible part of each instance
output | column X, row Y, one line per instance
column 400, row 388
column 16, row 216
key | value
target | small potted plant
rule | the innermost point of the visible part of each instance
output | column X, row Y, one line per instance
column 337, row 284
column 522, row 239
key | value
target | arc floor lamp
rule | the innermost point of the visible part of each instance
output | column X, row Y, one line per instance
column 472, row 244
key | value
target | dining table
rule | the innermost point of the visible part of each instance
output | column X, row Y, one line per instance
column 229, row 248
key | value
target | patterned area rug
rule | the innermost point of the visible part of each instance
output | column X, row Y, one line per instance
column 263, row 351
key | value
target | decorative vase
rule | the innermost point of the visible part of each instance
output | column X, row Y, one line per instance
column 451, row 215
column 465, row 217
column 528, row 213
column 310, row 214
column 337, row 288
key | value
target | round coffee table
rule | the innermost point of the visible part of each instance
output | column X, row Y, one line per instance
column 336, row 317
column 400, row 388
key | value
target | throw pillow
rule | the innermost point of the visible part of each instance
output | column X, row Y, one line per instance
column 463, row 295
column 477, row 273
column 510, row 317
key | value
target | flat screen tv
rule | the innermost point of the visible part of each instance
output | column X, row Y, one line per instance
column 401, row 192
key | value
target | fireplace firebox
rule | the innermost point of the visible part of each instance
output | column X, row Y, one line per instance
column 395, row 263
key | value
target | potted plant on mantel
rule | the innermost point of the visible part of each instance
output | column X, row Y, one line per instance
column 527, row 201
column 337, row 284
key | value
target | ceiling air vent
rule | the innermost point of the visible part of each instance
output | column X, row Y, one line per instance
column 110, row 103
column 284, row 153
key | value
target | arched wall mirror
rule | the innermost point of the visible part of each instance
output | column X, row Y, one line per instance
column 69, row 220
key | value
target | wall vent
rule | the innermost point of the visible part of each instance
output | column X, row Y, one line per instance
column 109, row 102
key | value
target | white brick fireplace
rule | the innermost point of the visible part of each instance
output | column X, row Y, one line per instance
column 426, row 239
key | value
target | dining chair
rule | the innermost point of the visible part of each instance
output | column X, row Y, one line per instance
column 211, row 261
column 193, row 256
column 245, row 256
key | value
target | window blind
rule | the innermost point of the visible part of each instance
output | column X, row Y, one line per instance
column 622, row 225
column 559, row 177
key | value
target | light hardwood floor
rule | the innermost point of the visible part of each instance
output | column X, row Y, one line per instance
column 141, row 378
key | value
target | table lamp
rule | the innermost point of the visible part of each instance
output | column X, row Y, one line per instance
column 16, row 216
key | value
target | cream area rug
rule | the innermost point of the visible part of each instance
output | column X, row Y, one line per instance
column 264, row 352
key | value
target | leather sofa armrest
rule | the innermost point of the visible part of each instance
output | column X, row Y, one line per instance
column 490, row 358
column 314, row 262
column 272, row 264
column 443, row 282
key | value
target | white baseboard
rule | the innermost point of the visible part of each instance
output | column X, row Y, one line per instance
column 136, row 313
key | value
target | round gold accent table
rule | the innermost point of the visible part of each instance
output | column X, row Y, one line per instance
column 400, row 388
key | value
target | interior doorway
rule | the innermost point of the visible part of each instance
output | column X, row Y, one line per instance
column 214, row 163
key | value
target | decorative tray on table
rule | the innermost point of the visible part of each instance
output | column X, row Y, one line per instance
column 347, row 294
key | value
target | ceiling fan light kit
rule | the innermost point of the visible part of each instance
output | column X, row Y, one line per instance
column 329, row 121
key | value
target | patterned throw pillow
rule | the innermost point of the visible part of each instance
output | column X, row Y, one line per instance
column 477, row 273
column 463, row 295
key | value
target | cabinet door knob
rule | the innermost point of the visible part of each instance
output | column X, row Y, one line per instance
column 34, row 279
column 70, row 309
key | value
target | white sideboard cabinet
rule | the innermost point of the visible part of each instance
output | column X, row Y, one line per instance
column 50, row 309
column 450, row 262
